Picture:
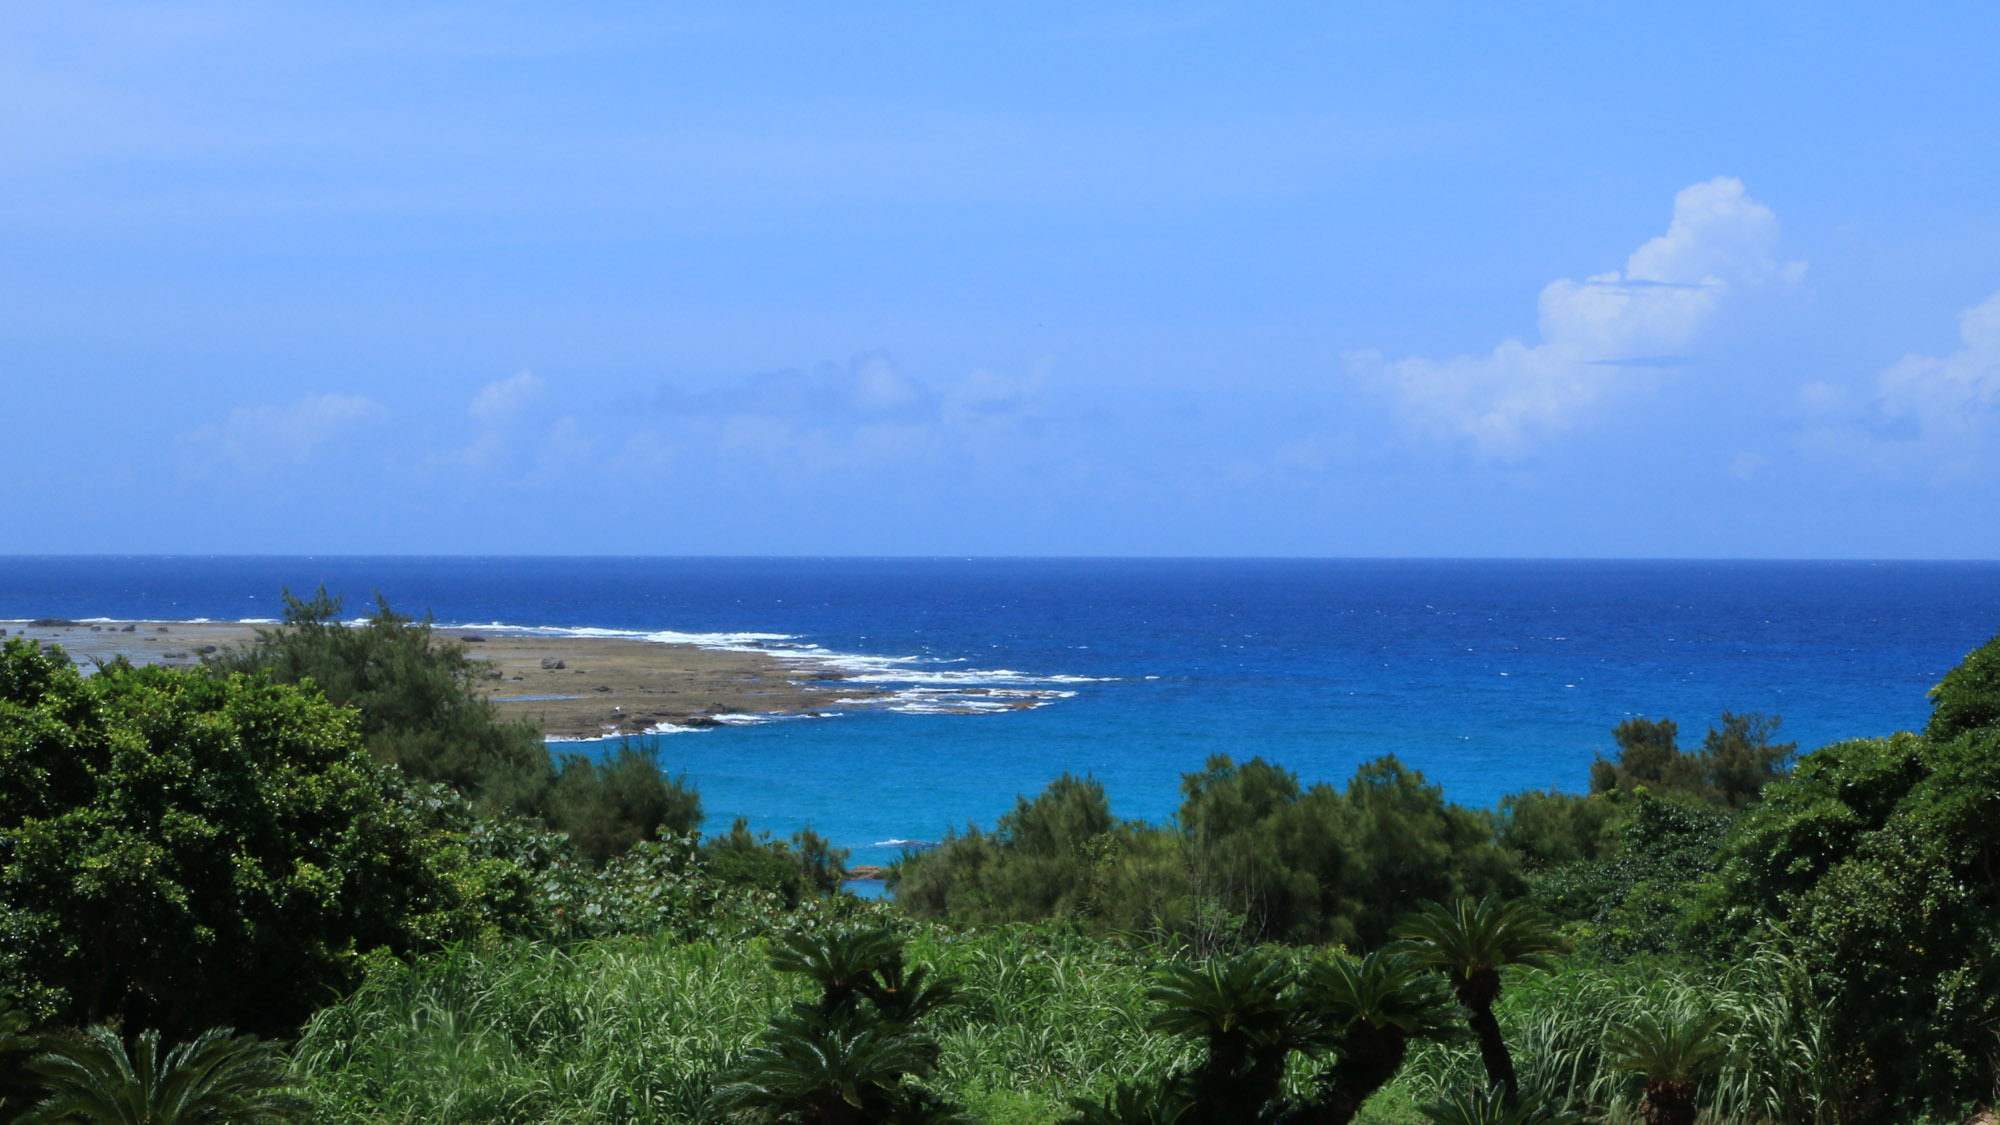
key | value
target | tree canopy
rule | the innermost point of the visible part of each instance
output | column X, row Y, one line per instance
column 180, row 850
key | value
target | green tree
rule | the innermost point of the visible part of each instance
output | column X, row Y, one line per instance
column 421, row 709
column 1470, row 942
column 1877, row 863
column 1547, row 828
column 216, row 1077
column 1251, row 857
column 1637, row 899
column 418, row 699
column 182, row 850
column 606, row 806
column 1736, row 761
column 1648, row 754
column 1968, row 698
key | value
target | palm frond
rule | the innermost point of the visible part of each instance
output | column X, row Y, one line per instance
column 216, row 1077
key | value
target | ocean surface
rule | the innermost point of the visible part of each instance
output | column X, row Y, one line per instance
column 1489, row 676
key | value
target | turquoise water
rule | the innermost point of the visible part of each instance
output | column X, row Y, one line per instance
column 1489, row 676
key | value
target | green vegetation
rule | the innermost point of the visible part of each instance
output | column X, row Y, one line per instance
column 1470, row 943
column 215, row 1077
column 329, row 837
column 184, row 850
column 418, row 708
column 1252, row 857
column 857, row 1053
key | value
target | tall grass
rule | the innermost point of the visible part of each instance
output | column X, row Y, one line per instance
column 1555, row 1025
column 636, row 1030
column 630, row 1030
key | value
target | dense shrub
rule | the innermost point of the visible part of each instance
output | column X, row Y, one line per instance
column 1636, row 898
column 1252, row 857
column 420, row 709
column 1736, row 760
column 1876, row 863
column 180, row 850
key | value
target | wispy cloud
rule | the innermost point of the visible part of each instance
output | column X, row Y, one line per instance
column 1928, row 412
column 867, row 414
column 259, row 436
column 1597, row 334
column 870, row 386
column 516, row 430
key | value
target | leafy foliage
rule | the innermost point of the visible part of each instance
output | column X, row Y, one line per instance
column 216, row 1077
column 1255, row 857
column 1470, row 942
column 1245, row 1011
column 1496, row 1106
column 1673, row 1054
column 1547, row 828
column 16, row 1042
column 1636, row 899
column 1372, row 1009
column 1875, row 863
column 183, row 850
column 419, row 708
column 644, row 1029
column 847, row 1057
column 1732, row 767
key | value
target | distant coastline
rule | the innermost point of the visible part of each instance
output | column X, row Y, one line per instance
column 573, row 687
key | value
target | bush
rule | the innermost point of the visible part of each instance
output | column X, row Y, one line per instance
column 1875, row 863
column 179, row 850
column 420, row 709
column 1252, row 858
column 1736, row 761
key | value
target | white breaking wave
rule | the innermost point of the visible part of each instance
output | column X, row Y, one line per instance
column 917, row 685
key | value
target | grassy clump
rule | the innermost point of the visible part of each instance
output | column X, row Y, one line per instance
column 641, row 1030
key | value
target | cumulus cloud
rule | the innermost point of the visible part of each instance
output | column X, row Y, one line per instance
column 256, row 436
column 1953, row 395
column 1596, row 333
column 1927, row 410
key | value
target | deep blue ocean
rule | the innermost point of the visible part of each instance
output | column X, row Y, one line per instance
column 1488, row 676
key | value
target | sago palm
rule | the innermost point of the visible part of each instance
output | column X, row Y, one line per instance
column 816, row 1069
column 841, row 963
column 215, row 1078
column 1372, row 1008
column 1673, row 1054
column 1245, row 1009
column 845, row 1059
column 1471, row 942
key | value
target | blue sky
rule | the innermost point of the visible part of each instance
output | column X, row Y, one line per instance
column 1396, row 279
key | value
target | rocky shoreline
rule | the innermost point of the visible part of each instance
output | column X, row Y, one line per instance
column 571, row 687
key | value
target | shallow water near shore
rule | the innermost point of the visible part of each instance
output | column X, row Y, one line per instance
column 1489, row 676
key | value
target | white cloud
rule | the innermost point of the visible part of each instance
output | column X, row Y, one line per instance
column 1933, row 410
column 502, row 399
column 869, row 387
column 1595, row 333
column 1954, row 394
column 263, row 435
column 867, row 416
